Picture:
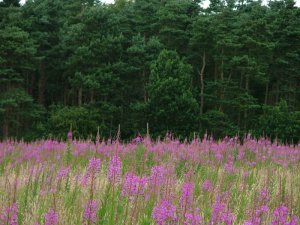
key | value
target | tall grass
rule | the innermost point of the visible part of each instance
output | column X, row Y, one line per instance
column 154, row 182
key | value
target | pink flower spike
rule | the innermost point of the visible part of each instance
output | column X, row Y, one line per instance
column 51, row 218
column 164, row 213
column 114, row 170
column 90, row 212
column 94, row 166
column 10, row 215
column 187, row 194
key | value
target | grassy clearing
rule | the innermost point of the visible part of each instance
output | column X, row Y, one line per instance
column 240, row 178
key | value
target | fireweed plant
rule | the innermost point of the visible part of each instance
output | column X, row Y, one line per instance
column 204, row 182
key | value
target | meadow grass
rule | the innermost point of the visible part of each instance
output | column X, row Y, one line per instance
column 162, row 182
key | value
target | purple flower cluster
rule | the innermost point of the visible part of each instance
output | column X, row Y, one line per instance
column 94, row 166
column 259, row 213
column 85, row 179
column 207, row 185
column 159, row 184
column 51, row 218
column 221, row 215
column 164, row 213
column 10, row 215
column 114, row 169
column 187, row 194
column 70, row 135
column 280, row 217
column 229, row 167
column 264, row 195
column 133, row 185
column 193, row 218
column 263, row 209
column 90, row 212
column 158, row 174
column 63, row 173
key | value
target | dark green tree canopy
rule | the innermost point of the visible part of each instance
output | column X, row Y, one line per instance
column 230, row 68
column 171, row 103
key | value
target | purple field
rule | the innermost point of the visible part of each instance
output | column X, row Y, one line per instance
column 153, row 182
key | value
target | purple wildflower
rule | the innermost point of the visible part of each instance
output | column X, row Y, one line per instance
column 63, row 173
column 263, row 209
column 246, row 174
column 221, row 215
column 70, row 135
column 85, row 179
column 51, row 218
column 207, row 186
column 158, row 174
column 259, row 213
column 94, row 166
column 187, row 194
column 254, row 221
column 241, row 155
column 193, row 218
column 114, row 169
column 164, row 213
column 280, row 217
column 229, row 167
column 264, row 195
column 133, row 185
column 294, row 221
column 10, row 215
column 90, row 212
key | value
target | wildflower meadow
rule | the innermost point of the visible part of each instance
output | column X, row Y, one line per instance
column 200, row 182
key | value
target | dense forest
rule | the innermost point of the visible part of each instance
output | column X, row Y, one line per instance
column 230, row 68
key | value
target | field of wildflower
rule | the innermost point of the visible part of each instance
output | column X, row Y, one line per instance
column 248, row 182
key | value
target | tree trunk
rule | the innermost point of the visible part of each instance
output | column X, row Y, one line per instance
column 80, row 97
column 246, row 111
column 5, row 125
column 144, row 85
column 5, row 129
column 277, row 92
column 42, row 84
column 291, row 91
column 92, row 96
column 202, row 83
column 247, row 84
column 65, row 95
column 295, row 95
column 241, row 86
column 31, row 84
column 241, row 80
column 216, row 73
column 27, row 83
column 266, row 93
column 222, row 66
column 18, row 127
column 222, row 79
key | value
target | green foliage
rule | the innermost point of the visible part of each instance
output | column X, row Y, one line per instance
column 174, row 20
column 134, row 62
column 218, row 124
column 82, row 120
column 17, row 109
column 278, row 122
column 171, row 103
column 8, row 3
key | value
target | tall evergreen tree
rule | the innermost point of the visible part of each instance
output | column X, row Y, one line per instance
column 171, row 103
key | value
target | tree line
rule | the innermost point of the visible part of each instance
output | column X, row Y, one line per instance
column 228, row 69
